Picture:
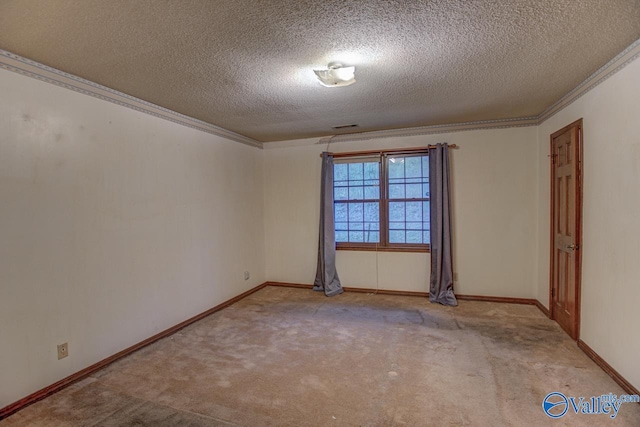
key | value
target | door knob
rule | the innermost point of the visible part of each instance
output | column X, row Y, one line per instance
column 572, row 247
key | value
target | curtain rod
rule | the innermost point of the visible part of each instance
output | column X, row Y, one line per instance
column 380, row 152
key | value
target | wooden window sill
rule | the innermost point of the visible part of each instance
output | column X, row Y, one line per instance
column 369, row 248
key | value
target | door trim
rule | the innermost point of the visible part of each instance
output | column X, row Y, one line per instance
column 578, row 227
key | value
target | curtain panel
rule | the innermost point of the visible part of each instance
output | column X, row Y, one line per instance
column 327, row 279
column 441, row 282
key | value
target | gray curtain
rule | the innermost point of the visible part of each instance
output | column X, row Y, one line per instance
column 326, row 275
column 441, row 284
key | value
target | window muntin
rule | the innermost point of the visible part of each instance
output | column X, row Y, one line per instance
column 382, row 202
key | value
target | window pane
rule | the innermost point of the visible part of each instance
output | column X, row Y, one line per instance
column 372, row 192
column 395, row 166
column 372, row 171
column 356, row 193
column 413, row 167
column 340, row 193
column 414, row 211
column 340, row 212
column 396, row 211
column 396, row 236
column 414, row 191
column 342, row 236
column 372, row 237
column 414, row 225
column 372, row 212
column 425, row 190
column 396, row 191
column 414, row 237
column 426, row 214
column 340, row 172
column 342, row 226
column 356, row 236
column 356, row 171
column 356, row 212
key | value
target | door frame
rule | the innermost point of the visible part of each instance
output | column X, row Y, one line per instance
column 578, row 225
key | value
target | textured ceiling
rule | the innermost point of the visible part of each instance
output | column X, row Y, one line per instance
column 246, row 65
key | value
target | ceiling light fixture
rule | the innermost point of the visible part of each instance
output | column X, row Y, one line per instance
column 336, row 75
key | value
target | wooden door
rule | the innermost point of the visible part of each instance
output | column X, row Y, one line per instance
column 566, row 214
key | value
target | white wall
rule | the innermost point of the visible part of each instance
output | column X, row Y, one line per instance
column 611, row 215
column 114, row 225
column 494, row 183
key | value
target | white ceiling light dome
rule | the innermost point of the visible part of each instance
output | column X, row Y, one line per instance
column 336, row 75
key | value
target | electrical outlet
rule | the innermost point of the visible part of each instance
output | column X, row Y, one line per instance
column 63, row 351
column 246, row 275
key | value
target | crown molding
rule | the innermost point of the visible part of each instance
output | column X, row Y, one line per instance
column 624, row 58
column 27, row 67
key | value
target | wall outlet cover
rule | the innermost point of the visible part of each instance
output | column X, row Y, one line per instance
column 63, row 351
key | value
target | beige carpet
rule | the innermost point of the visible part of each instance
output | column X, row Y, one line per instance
column 292, row 357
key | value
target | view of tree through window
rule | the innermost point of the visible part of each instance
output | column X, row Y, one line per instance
column 382, row 202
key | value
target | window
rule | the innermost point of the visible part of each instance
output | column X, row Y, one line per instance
column 382, row 202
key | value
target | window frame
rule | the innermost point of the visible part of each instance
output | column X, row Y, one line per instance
column 384, row 245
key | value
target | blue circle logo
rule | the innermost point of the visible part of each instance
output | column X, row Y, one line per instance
column 555, row 405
